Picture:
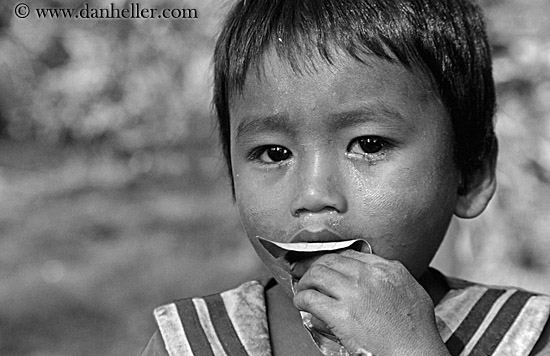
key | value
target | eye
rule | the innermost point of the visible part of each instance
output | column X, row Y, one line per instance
column 369, row 148
column 367, row 145
column 271, row 154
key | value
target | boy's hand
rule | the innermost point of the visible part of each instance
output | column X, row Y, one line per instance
column 369, row 302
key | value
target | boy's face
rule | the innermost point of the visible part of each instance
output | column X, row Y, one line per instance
column 364, row 151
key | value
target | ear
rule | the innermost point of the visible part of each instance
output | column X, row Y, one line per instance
column 477, row 189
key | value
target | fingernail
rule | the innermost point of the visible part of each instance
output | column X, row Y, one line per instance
column 293, row 265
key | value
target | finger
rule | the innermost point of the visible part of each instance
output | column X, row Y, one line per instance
column 344, row 262
column 324, row 279
column 319, row 325
column 360, row 256
column 299, row 268
column 314, row 302
column 358, row 264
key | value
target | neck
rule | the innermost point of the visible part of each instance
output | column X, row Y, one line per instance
column 435, row 284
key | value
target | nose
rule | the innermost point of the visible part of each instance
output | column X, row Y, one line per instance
column 319, row 188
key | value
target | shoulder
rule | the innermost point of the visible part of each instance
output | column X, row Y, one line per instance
column 155, row 346
column 542, row 347
column 232, row 321
column 492, row 320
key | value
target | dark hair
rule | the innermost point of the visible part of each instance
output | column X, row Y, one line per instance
column 446, row 39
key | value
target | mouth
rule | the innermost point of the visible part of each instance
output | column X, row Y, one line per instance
column 306, row 244
column 324, row 235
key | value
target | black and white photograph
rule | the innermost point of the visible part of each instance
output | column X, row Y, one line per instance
column 275, row 177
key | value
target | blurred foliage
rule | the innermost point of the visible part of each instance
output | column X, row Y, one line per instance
column 114, row 198
column 129, row 83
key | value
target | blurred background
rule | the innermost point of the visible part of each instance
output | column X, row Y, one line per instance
column 113, row 194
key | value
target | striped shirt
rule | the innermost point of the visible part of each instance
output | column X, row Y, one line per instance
column 472, row 319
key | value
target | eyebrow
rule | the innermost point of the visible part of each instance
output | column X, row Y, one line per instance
column 377, row 112
column 373, row 112
column 252, row 125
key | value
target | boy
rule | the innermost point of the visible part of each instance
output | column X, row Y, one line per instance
column 344, row 121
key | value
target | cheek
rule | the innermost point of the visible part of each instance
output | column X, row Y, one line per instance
column 430, row 193
column 260, row 207
column 429, row 182
column 407, row 206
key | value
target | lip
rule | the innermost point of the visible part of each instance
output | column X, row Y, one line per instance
column 324, row 235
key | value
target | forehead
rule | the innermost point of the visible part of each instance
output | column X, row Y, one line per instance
column 279, row 88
